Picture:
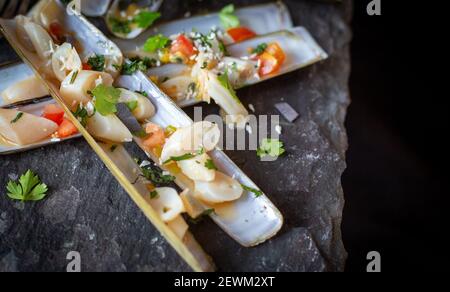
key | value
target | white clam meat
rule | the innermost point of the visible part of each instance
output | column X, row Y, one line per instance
column 42, row 42
column 23, row 90
column 195, row 168
column 74, row 89
column 144, row 107
column 190, row 139
column 65, row 60
column 167, row 204
column 23, row 128
column 22, row 35
column 108, row 128
column 222, row 189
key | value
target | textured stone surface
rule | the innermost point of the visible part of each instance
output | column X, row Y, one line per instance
column 87, row 211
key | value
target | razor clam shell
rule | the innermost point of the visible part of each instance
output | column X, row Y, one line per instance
column 12, row 74
column 94, row 8
column 188, row 248
column 262, row 19
column 300, row 47
column 35, row 109
column 253, row 220
column 131, row 171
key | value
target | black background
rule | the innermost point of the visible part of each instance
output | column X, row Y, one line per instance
column 396, row 181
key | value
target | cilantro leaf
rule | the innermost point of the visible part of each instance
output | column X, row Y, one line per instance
column 28, row 188
column 97, row 62
column 146, row 18
column 225, row 82
column 227, row 17
column 155, row 43
column 261, row 48
column 209, row 164
column 106, row 98
column 271, row 147
column 257, row 193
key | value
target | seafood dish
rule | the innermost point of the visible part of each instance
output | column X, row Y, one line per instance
column 192, row 65
column 83, row 71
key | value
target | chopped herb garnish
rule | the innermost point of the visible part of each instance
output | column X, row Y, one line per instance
column 223, row 48
column 170, row 130
column 105, row 99
column 28, row 188
column 156, row 43
column 81, row 114
column 223, row 79
column 120, row 26
column 154, row 195
column 257, row 193
column 74, row 77
column 155, row 175
column 113, row 148
column 227, row 17
column 136, row 64
column 185, row 156
column 146, row 18
column 17, row 118
column 261, row 48
column 204, row 65
column 142, row 93
column 204, row 214
column 271, row 147
column 132, row 105
column 209, row 164
column 97, row 63
column 140, row 134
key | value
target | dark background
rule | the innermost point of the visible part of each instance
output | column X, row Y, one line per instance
column 395, row 185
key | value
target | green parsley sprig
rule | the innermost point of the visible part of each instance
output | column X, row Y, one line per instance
column 28, row 188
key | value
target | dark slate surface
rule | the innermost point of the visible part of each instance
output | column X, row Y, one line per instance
column 87, row 211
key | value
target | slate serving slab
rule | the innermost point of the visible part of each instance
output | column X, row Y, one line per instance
column 87, row 211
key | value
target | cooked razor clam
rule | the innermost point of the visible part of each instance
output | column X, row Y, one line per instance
column 31, row 126
column 249, row 62
column 250, row 220
column 23, row 128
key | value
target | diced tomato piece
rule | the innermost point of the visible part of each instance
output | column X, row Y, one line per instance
column 67, row 129
column 86, row 66
column 275, row 50
column 239, row 34
column 156, row 136
column 53, row 113
column 56, row 31
column 271, row 60
column 269, row 64
column 183, row 45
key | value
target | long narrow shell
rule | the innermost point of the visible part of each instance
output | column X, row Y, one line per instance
column 262, row 19
column 249, row 220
